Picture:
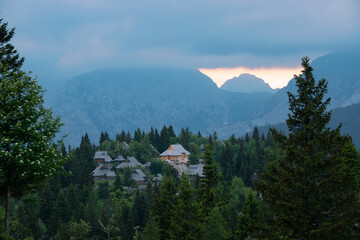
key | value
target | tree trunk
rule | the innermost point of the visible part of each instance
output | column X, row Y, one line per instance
column 7, row 209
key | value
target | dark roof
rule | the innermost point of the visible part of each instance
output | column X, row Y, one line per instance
column 158, row 177
column 138, row 175
column 119, row 159
column 129, row 162
column 102, row 170
column 196, row 169
column 103, row 155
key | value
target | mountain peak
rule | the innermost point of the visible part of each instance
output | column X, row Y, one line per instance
column 247, row 83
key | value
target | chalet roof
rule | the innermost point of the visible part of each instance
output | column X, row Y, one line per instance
column 175, row 150
column 196, row 169
column 103, row 155
column 119, row 159
column 102, row 170
column 158, row 177
column 129, row 162
column 125, row 146
column 138, row 175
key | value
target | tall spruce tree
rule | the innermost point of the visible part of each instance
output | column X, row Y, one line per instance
column 8, row 54
column 164, row 205
column 209, row 186
column 313, row 191
column 185, row 223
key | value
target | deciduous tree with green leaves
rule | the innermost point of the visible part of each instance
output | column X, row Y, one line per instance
column 28, row 154
column 313, row 191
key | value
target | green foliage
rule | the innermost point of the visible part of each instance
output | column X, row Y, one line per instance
column 139, row 209
column 8, row 54
column 151, row 230
column 164, row 139
column 27, row 152
column 157, row 166
column 249, row 218
column 164, row 206
column 313, row 191
column 103, row 190
column 214, row 226
column 195, row 153
column 185, row 223
column 104, row 136
column 73, row 230
column 209, row 188
column 184, row 137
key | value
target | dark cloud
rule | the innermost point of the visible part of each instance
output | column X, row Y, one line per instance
column 77, row 35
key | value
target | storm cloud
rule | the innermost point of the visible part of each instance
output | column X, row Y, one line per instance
column 69, row 37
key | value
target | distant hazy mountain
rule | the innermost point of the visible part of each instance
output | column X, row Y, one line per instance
column 247, row 83
column 342, row 73
column 126, row 99
column 348, row 116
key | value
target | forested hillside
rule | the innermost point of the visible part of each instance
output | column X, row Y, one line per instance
column 72, row 204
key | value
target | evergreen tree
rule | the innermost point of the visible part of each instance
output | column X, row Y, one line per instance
column 149, row 197
column 249, row 218
column 151, row 230
column 214, row 227
column 164, row 206
column 184, row 137
column 156, row 142
column 247, row 137
column 226, row 164
column 313, row 191
column 215, row 136
column 171, row 132
column 137, row 135
column 127, row 224
column 103, row 190
column 164, row 139
column 118, row 183
column 195, row 153
column 139, row 209
column 121, row 137
column 74, row 203
column 91, row 214
column 256, row 135
column 209, row 187
column 101, row 140
column 185, row 224
column 86, row 164
column 128, row 138
column 152, row 136
column 8, row 54
column 47, row 203
column 211, row 142
column 61, row 211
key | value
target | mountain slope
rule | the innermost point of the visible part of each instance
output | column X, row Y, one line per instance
column 247, row 83
column 126, row 99
column 348, row 117
column 341, row 72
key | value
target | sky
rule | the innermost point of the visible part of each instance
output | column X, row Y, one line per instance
column 224, row 38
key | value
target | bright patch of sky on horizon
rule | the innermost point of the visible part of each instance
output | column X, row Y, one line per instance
column 276, row 77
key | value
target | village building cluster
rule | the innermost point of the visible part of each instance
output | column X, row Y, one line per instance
column 176, row 155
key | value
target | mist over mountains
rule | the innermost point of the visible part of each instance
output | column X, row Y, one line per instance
column 247, row 83
column 341, row 72
column 127, row 99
